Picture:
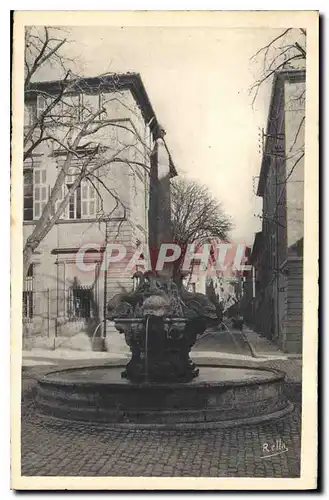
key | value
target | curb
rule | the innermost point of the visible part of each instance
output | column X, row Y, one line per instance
column 259, row 354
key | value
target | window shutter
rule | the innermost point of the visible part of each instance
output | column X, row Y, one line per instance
column 76, row 105
column 57, row 111
column 40, row 191
column 88, row 199
column 71, row 175
column 91, row 103
column 59, row 201
column 92, row 201
column 84, row 199
column 103, row 99
column 28, row 194
column 29, row 114
column 71, row 208
column 41, row 105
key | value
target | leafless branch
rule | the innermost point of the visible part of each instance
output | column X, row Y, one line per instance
column 196, row 215
column 76, row 128
column 270, row 44
column 255, row 88
column 276, row 56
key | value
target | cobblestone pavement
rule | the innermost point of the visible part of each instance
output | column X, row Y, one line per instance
column 66, row 449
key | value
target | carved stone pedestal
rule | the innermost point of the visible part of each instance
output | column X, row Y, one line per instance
column 160, row 324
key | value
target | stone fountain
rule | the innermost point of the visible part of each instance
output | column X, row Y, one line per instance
column 161, row 386
column 161, row 324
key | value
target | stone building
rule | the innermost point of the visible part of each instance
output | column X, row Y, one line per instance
column 112, row 207
column 277, row 253
column 225, row 284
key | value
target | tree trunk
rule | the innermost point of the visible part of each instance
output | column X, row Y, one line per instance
column 27, row 258
column 178, row 274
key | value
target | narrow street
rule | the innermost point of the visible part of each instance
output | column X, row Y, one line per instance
column 225, row 340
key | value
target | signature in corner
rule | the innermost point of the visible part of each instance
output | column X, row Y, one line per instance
column 275, row 448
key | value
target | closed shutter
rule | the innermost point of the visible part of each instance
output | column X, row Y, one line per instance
column 40, row 191
column 28, row 194
column 72, row 208
column 68, row 109
column 91, row 103
column 75, row 107
column 59, row 201
column 103, row 100
column 88, row 200
column 71, row 175
column 29, row 114
column 57, row 111
column 41, row 105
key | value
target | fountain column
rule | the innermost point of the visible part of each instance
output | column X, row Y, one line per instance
column 160, row 321
column 160, row 230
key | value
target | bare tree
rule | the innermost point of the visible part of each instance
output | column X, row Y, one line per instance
column 286, row 50
column 197, row 217
column 283, row 144
column 72, row 128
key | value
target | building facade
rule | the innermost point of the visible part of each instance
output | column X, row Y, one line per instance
column 224, row 284
column 277, row 253
column 111, row 206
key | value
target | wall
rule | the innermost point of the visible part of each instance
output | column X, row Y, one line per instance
column 295, row 143
column 294, row 136
column 292, row 338
column 129, row 182
column 278, row 303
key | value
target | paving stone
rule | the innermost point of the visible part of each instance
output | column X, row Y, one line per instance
column 81, row 450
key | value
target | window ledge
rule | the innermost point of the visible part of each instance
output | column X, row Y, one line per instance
column 75, row 221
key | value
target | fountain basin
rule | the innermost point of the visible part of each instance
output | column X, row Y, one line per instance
column 221, row 396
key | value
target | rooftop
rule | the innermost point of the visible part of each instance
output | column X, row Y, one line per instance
column 292, row 75
column 113, row 82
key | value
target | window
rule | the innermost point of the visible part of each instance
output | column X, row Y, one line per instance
column 82, row 202
column 41, row 106
column 35, row 192
column 80, row 301
column 28, row 294
column 70, row 108
column 28, row 194
column 75, row 203
column 60, row 199
column 91, row 104
column 34, row 110
column 88, row 199
column 67, row 109
column 103, row 100
column 29, row 114
column 40, row 191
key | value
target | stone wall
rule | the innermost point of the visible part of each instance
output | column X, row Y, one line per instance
column 293, row 325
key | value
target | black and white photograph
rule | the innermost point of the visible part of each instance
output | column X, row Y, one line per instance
column 165, row 233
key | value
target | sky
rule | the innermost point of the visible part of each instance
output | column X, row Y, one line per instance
column 198, row 81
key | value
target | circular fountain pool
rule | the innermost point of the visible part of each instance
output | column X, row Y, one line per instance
column 221, row 396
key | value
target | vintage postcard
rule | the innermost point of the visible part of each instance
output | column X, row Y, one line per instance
column 164, row 250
